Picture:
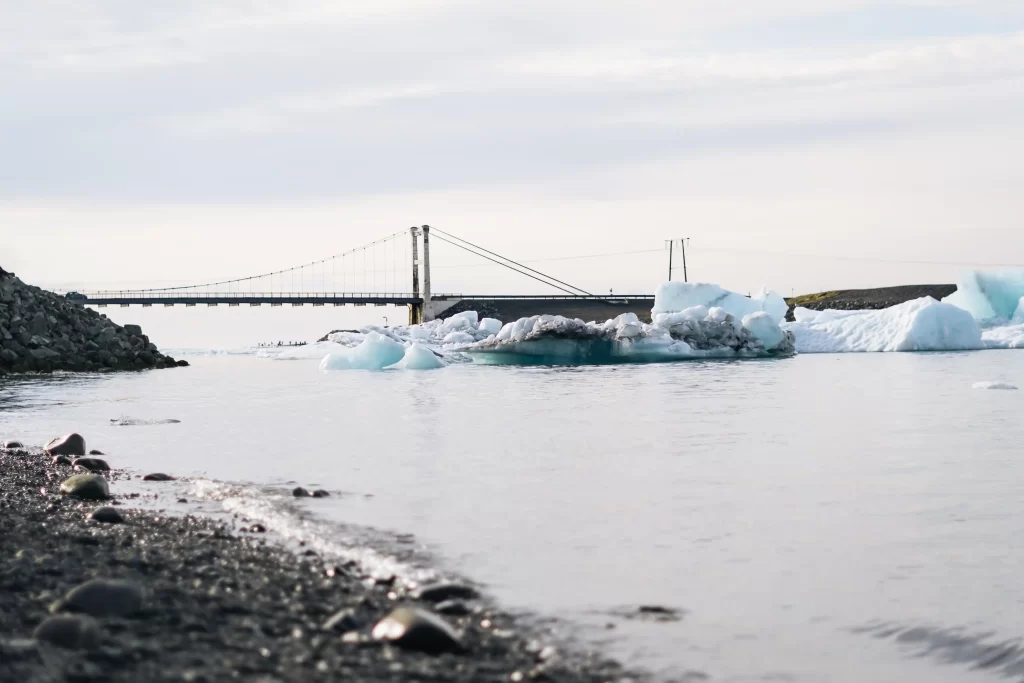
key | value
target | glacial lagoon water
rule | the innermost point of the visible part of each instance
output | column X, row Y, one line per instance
column 840, row 518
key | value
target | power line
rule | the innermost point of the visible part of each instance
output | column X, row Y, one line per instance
column 523, row 272
column 436, row 230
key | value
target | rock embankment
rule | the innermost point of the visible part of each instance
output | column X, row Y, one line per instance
column 92, row 591
column 867, row 299
column 42, row 332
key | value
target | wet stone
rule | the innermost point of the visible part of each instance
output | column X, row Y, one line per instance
column 11, row 445
column 71, row 632
column 92, row 464
column 107, row 515
column 453, row 608
column 300, row 492
column 158, row 476
column 69, row 444
column 86, row 486
column 440, row 592
column 320, row 493
column 102, row 598
column 415, row 629
column 61, row 460
column 95, row 452
column 342, row 621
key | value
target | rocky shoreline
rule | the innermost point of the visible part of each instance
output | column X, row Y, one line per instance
column 92, row 590
column 43, row 332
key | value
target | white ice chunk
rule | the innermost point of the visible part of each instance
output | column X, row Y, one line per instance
column 773, row 304
column 999, row 386
column 376, row 352
column 919, row 325
column 489, row 326
column 764, row 327
column 419, row 357
column 672, row 297
column 458, row 337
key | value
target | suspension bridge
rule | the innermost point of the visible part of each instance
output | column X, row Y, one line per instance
column 393, row 270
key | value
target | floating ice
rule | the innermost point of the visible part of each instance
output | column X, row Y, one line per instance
column 680, row 296
column 1003, row 386
column 919, row 325
column 555, row 340
column 419, row 357
column 991, row 296
column 376, row 352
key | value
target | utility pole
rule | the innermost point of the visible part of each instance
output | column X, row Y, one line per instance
column 671, row 244
column 682, row 243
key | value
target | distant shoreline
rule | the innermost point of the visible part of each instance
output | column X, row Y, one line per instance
column 867, row 299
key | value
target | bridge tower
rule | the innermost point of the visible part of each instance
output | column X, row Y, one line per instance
column 428, row 310
column 415, row 310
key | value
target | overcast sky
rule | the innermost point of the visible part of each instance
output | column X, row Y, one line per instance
column 167, row 142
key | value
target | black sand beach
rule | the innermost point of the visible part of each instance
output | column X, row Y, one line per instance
column 193, row 601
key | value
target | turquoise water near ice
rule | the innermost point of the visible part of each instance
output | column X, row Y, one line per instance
column 781, row 505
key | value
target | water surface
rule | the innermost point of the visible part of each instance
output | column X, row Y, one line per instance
column 783, row 506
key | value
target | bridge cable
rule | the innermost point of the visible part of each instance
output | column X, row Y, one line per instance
column 438, row 230
column 454, row 244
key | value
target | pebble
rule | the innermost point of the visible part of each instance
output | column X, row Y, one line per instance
column 320, row 493
column 158, row 476
column 95, row 452
column 414, row 629
column 102, row 598
column 11, row 445
column 299, row 492
column 86, row 486
column 69, row 631
column 69, row 444
column 92, row 464
column 107, row 515
column 343, row 621
column 453, row 608
column 60, row 460
column 440, row 592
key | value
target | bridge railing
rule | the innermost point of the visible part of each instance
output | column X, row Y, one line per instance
column 199, row 296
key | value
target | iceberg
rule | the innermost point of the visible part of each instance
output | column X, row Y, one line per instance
column 680, row 296
column 419, row 357
column 693, row 333
column 375, row 352
column 991, row 296
column 920, row 325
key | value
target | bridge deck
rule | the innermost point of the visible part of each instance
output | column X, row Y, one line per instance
column 314, row 298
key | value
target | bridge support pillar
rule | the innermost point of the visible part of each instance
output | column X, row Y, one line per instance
column 428, row 311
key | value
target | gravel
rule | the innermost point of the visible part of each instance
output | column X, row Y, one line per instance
column 168, row 598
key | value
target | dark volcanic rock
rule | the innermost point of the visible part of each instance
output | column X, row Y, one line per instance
column 95, row 452
column 158, row 476
column 107, row 515
column 300, row 492
column 439, row 592
column 86, row 486
column 416, row 629
column 60, row 460
column 69, row 444
column 102, row 598
column 69, row 631
column 11, row 445
column 92, row 464
column 320, row 493
column 43, row 332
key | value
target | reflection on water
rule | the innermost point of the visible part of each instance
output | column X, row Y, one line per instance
column 776, row 505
